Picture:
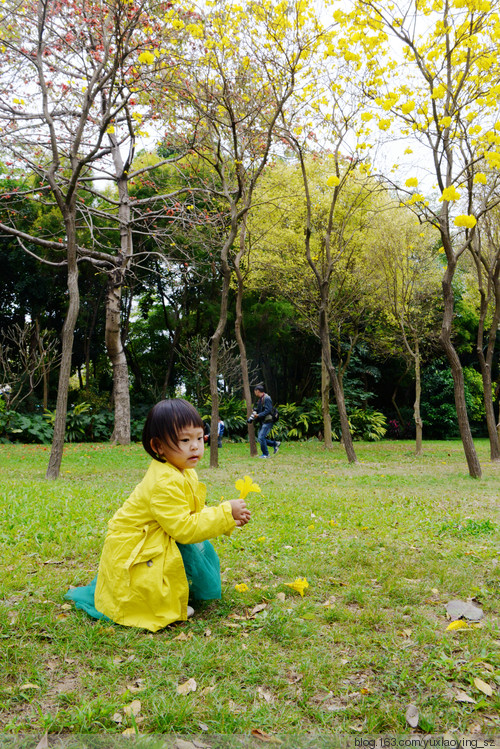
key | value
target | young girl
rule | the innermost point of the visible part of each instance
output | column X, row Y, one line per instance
column 154, row 541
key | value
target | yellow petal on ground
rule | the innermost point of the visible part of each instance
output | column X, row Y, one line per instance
column 241, row 587
column 458, row 624
column 300, row 584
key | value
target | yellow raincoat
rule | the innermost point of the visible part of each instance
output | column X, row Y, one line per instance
column 141, row 580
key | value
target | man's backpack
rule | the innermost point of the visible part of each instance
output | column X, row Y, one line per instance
column 275, row 414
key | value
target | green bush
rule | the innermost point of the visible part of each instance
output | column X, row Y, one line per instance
column 233, row 412
column 367, row 424
column 17, row 427
column 438, row 409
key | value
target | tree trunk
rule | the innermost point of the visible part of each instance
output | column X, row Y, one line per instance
column 214, row 351
column 485, row 365
column 113, row 334
column 337, row 388
column 416, row 406
column 457, row 373
column 247, row 392
column 325, row 406
column 116, row 353
column 67, row 337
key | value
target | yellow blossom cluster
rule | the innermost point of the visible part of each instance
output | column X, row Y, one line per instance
column 449, row 194
column 466, row 221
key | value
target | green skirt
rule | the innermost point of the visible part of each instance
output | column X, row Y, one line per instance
column 202, row 571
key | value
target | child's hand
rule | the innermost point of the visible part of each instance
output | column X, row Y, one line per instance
column 240, row 511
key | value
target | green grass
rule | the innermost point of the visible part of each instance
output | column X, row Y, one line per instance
column 384, row 546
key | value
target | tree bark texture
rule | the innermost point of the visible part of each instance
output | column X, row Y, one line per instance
column 416, row 406
column 214, row 350
column 113, row 334
column 337, row 388
column 457, row 373
column 67, row 336
column 325, row 406
column 238, row 324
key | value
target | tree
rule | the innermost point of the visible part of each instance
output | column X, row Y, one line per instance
column 75, row 68
column 313, row 252
column 485, row 250
column 443, row 91
column 27, row 354
column 406, row 259
column 232, row 92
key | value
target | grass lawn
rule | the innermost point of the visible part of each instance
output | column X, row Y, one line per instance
column 384, row 545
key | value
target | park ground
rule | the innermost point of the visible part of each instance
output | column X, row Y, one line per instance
column 384, row 545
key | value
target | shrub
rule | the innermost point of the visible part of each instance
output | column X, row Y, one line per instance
column 367, row 424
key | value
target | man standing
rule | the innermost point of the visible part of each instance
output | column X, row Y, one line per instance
column 220, row 432
column 263, row 414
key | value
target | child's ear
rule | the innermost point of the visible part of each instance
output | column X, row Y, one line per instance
column 155, row 445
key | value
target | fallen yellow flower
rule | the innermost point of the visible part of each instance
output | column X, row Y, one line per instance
column 458, row 624
column 241, row 587
column 245, row 486
column 300, row 584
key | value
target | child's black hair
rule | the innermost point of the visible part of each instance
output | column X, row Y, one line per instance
column 166, row 420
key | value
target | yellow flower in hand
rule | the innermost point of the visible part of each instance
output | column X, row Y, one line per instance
column 245, row 486
column 300, row 584
column 241, row 587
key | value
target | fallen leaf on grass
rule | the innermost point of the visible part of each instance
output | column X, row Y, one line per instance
column 329, row 601
column 281, row 597
column 257, row 609
column 189, row 686
column 183, row 636
column 136, row 686
column 412, row 716
column 29, row 686
column 262, row 736
column 43, row 743
column 462, row 696
column 483, row 687
column 134, row 708
column 457, row 609
column 129, row 732
column 265, row 695
column 183, row 744
column 117, row 718
column 293, row 677
column 208, row 690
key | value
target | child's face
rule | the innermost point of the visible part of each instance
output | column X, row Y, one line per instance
column 189, row 450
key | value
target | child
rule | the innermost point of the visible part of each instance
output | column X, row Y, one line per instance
column 154, row 541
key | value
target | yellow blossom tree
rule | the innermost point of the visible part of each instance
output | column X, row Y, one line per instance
column 231, row 91
column 432, row 70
